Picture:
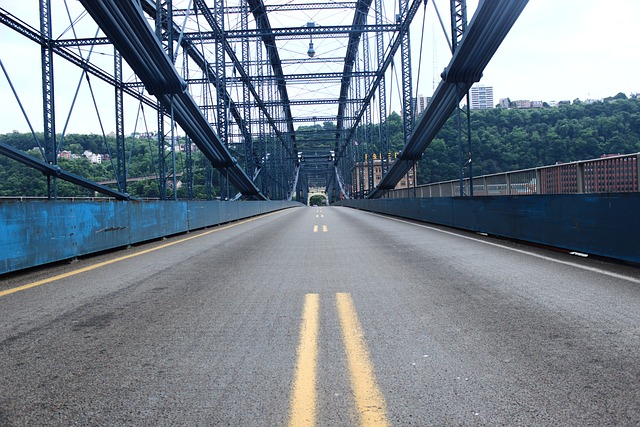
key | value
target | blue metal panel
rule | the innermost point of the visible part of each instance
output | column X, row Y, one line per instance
column 598, row 224
column 38, row 232
column 151, row 220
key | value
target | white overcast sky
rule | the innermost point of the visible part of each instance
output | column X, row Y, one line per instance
column 557, row 50
column 567, row 49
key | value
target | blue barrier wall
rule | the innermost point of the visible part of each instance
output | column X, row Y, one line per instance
column 36, row 232
column 599, row 224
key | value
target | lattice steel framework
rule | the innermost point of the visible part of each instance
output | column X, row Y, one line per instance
column 239, row 114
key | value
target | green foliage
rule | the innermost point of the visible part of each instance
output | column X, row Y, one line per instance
column 316, row 138
column 141, row 162
column 317, row 200
column 504, row 140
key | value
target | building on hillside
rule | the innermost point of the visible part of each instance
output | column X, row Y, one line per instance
column 407, row 181
column 93, row 158
column 481, row 97
column 420, row 104
column 522, row 103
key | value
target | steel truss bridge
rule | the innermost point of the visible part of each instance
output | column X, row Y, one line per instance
column 233, row 79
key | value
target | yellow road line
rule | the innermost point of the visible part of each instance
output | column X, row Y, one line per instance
column 303, row 396
column 369, row 400
column 324, row 229
column 102, row 264
column 315, row 228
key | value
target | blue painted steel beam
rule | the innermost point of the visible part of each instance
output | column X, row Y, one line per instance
column 359, row 20
column 264, row 26
column 56, row 171
column 486, row 31
column 124, row 23
column 382, row 69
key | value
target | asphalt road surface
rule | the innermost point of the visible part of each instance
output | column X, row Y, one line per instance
column 322, row 316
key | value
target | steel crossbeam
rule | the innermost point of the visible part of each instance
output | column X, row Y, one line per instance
column 382, row 68
column 293, row 33
column 488, row 27
column 127, row 28
column 263, row 95
column 359, row 21
column 264, row 28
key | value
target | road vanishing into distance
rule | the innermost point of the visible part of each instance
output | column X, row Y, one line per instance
column 322, row 316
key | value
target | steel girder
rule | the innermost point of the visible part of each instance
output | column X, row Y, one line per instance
column 302, row 6
column 150, row 8
column 407, row 101
column 125, row 25
column 382, row 91
column 246, row 93
column 489, row 26
column 311, row 76
column 50, row 143
column 359, row 21
column 121, row 170
column 55, row 171
column 382, row 68
column 264, row 31
column 293, row 33
column 63, row 51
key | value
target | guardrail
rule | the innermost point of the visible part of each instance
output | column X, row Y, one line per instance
column 611, row 174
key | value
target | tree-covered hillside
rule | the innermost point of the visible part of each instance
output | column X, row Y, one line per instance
column 502, row 140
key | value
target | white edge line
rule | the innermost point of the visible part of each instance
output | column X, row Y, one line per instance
column 546, row 258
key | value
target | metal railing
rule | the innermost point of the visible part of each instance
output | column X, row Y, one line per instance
column 611, row 174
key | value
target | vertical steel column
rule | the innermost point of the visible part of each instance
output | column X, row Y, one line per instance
column 468, row 138
column 458, row 28
column 162, row 166
column 368, row 125
column 221, row 104
column 188, row 155
column 407, row 95
column 262, row 139
column 359, row 140
column 246, row 98
column 382, row 91
column 121, row 171
column 458, row 22
column 273, row 158
column 164, row 33
column 48, row 98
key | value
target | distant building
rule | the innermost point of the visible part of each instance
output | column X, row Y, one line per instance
column 93, row 158
column 522, row 103
column 407, row 181
column 481, row 97
column 420, row 104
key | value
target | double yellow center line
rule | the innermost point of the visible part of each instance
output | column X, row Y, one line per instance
column 324, row 229
column 368, row 398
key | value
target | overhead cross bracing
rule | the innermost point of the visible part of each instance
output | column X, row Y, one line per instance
column 241, row 78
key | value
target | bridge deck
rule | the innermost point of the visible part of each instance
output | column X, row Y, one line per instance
column 205, row 329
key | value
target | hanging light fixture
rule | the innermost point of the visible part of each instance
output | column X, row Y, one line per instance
column 311, row 52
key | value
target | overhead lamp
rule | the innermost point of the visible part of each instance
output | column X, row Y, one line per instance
column 311, row 52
